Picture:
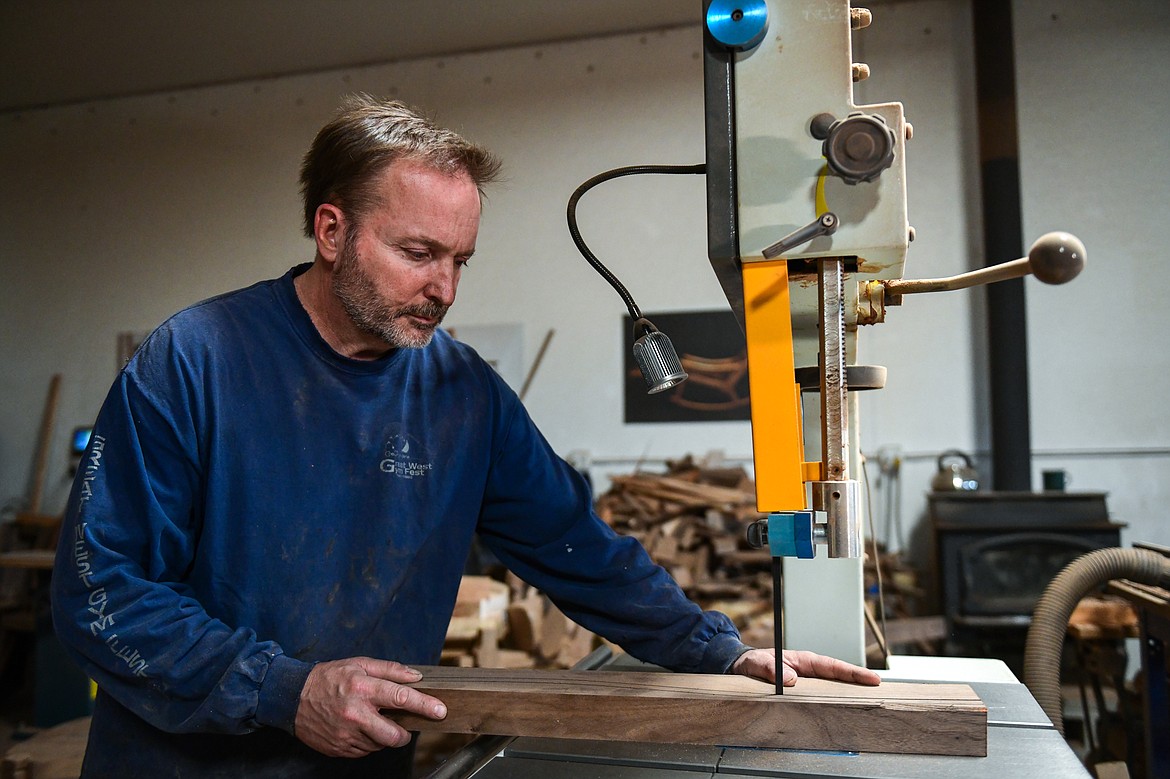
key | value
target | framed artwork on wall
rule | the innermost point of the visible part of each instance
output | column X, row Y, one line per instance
column 713, row 352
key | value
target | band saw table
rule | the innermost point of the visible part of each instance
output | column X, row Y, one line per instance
column 1021, row 744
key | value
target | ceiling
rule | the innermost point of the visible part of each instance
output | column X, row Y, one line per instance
column 55, row 52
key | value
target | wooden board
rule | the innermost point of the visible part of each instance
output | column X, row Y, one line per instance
column 724, row 710
column 55, row 753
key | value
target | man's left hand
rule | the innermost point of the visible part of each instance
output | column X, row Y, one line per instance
column 761, row 664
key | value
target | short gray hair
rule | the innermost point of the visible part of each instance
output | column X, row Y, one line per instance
column 365, row 136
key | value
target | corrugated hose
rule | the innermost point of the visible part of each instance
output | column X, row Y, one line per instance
column 1050, row 619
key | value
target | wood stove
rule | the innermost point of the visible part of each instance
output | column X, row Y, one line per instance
column 995, row 552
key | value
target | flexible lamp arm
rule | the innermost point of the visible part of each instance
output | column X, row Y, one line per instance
column 653, row 351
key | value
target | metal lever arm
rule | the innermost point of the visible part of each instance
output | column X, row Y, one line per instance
column 1054, row 259
column 825, row 224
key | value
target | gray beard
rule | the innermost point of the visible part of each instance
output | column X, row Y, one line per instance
column 371, row 314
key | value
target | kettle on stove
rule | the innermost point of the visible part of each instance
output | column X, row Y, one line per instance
column 955, row 473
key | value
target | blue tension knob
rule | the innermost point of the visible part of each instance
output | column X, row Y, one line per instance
column 738, row 24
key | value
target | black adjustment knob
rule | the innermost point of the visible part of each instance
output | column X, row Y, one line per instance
column 858, row 147
column 757, row 534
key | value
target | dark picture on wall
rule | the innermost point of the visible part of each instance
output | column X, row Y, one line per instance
column 713, row 352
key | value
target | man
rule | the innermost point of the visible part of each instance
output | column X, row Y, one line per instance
column 283, row 484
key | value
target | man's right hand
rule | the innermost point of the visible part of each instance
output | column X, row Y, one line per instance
column 339, row 712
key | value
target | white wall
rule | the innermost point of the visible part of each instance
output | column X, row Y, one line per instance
column 117, row 213
column 1095, row 155
column 1095, row 159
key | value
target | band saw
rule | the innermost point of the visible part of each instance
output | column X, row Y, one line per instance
column 808, row 235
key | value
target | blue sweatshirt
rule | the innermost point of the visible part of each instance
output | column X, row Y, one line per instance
column 252, row 502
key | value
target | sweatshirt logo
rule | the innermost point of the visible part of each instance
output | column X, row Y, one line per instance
column 403, row 458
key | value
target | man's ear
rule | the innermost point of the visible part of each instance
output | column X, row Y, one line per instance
column 328, row 230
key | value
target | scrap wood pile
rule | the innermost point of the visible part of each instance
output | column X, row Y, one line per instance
column 511, row 625
column 692, row 520
column 904, row 595
column 501, row 624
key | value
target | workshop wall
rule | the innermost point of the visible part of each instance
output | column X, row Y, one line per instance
column 1095, row 155
column 1094, row 162
column 120, row 212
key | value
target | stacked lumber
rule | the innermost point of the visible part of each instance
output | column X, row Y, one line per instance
column 691, row 520
column 511, row 625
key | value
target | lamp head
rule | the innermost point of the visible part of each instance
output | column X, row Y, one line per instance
column 656, row 358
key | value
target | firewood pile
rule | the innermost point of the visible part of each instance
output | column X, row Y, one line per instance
column 511, row 624
column 691, row 520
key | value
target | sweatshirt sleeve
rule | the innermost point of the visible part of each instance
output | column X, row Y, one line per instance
column 130, row 532
column 539, row 520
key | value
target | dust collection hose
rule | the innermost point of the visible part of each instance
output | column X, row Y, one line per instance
column 1050, row 619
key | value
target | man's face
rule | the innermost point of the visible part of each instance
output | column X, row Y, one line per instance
column 398, row 269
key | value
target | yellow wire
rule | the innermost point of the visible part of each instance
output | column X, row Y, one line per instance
column 822, row 204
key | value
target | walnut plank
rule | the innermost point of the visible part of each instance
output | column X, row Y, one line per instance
column 724, row 710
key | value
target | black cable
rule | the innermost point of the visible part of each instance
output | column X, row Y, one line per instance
column 635, row 312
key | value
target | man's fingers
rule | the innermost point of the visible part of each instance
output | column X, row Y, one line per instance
column 402, row 698
column 789, row 676
column 761, row 664
column 388, row 669
column 386, row 732
column 398, row 697
column 824, row 667
column 339, row 710
column 361, row 743
column 758, row 664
